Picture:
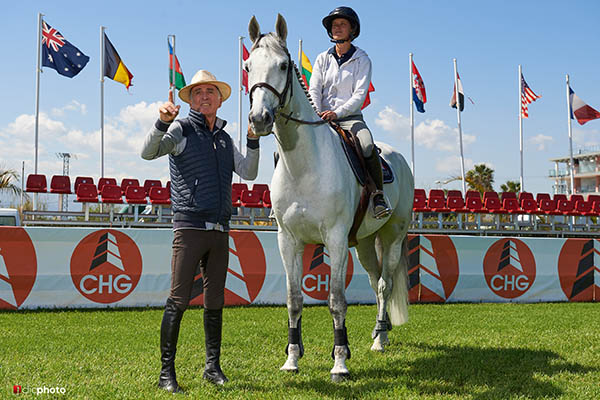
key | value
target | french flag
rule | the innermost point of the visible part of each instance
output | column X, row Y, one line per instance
column 418, row 90
column 580, row 110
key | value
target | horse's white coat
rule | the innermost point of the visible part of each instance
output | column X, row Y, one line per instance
column 315, row 195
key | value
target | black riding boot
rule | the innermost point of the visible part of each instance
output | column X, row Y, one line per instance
column 169, row 332
column 381, row 209
column 213, row 323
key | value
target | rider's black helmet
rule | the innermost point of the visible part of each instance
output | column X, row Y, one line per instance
column 343, row 12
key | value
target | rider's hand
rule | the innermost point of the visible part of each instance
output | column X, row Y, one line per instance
column 328, row 115
column 168, row 111
column 251, row 134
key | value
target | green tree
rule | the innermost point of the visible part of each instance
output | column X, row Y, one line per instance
column 511, row 186
column 480, row 178
column 8, row 177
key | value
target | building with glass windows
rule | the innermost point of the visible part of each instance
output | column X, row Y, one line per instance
column 586, row 173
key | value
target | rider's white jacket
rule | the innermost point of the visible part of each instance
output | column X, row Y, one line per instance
column 340, row 89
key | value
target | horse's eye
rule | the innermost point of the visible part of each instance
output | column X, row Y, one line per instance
column 283, row 66
column 246, row 68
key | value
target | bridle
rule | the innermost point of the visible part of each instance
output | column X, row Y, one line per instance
column 283, row 95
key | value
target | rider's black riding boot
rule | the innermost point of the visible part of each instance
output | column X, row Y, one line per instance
column 381, row 208
column 169, row 332
column 213, row 323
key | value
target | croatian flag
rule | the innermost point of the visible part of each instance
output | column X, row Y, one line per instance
column 418, row 90
column 580, row 110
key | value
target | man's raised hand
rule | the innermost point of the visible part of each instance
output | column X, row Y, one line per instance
column 168, row 111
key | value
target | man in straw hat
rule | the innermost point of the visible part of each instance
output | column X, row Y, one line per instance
column 202, row 159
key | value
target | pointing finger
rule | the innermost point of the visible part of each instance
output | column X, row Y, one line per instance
column 171, row 95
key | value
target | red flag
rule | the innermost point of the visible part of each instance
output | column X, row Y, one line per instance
column 368, row 98
column 245, row 55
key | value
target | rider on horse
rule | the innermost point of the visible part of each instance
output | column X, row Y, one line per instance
column 339, row 86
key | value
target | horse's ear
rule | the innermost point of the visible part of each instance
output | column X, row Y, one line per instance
column 281, row 27
column 254, row 29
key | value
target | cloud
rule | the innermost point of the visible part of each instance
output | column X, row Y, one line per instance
column 74, row 105
column 541, row 141
column 451, row 165
column 432, row 134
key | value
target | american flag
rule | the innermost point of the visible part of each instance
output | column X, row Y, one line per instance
column 527, row 97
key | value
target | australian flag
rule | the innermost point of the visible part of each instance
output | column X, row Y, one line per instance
column 59, row 54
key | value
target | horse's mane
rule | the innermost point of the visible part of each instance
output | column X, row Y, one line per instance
column 274, row 42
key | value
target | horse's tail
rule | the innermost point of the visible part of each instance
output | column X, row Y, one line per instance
column 398, row 302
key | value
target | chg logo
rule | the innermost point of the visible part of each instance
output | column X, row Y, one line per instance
column 579, row 269
column 106, row 266
column 432, row 268
column 18, row 267
column 245, row 273
column 509, row 268
column 316, row 272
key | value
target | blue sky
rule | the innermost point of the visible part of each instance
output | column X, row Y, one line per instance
column 489, row 40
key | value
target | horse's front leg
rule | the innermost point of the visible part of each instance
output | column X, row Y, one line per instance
column 338, row 254
column 291, row 255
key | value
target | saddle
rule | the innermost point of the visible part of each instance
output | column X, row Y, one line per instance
column 353, row 151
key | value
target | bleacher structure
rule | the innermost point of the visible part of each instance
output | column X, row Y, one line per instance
column 439, row 211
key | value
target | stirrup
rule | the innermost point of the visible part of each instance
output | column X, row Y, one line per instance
column 380, row 211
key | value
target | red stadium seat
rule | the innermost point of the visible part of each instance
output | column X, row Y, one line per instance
column 488, row 195
column 125, row 182
column 60, row 184
column 87, row 193
column 420, row 193
column 437, row 204
column 135, row 195
column 510, row 205
column 541, row 196
column 266, row 199
column 168, row 186
column 492, row 204
column 508, row 195
column 240, row 187
column 454, row 193
column 235, row 196
column 564, row 207
column 148, row 183
column 420, row 204
column 36, row 184
column 472, row 193
column 260, row 188
column 560, row 196
column 437, row 193
column 251, row 199
column 474, row 204
column 160, row 195
column 106, row 181
column 529, row 206
column 575, row 198
column 525, row 195
column 88, row 180
column 595, row 211
column 583, row 207
column 547, row 206
column 111, row 194
column 456, row 203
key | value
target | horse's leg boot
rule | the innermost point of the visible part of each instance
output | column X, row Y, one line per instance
column 381, row 209
column 169, row 332
column 213, row 324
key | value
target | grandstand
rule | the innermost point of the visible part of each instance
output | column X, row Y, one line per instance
column 132, row 204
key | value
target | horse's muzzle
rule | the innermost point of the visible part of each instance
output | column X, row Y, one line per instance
column 261, row 122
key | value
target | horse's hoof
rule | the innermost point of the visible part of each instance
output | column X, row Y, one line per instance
column 377, row 347
column 289, row 369
column 337, row 378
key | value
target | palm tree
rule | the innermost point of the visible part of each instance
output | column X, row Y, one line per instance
column 480, row 178
column 511, row 186
column 7, row 177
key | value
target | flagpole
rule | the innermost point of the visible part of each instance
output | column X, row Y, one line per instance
column 521, row 124
column 102, row 101
column 240, row 88
column 412, row 115
column 571, row 164
column 458, row 105
column 38, row 71
column 300, row 54
column 174, row 85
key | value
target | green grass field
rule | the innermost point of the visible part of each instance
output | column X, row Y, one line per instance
column 455, row 351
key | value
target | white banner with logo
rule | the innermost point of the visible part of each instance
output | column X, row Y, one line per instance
column 90, row 267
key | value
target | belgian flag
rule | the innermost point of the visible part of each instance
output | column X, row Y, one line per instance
column 113, row 66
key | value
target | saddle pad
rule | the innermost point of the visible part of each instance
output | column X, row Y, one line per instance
column 359, row 172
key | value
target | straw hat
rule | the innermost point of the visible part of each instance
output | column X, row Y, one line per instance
column 206, row 77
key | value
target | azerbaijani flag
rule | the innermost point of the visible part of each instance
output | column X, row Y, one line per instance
column 179, row 79
column 306, row 70
column 113, row 65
